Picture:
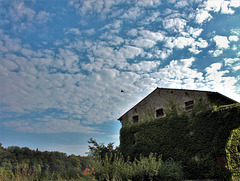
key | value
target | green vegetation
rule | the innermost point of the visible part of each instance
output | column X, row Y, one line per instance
column 103, row 163
column 197, row 141
column 115, row 167
column 25, row 164
column 203, row 143
column 109, row 164
column 233, row 154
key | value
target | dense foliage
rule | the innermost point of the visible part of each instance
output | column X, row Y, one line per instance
column 233, row 153
column 115, row 167
column 104, row 163
column 99, row 149
column 197, row 141
column 37, row 165
column 109, row 164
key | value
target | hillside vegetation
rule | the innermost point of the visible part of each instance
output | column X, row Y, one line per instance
column 25, row 164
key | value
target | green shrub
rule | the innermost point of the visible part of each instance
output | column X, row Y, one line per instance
column 144, row 168
column 170, row 170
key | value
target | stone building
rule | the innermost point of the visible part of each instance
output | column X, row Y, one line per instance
column 161, row 100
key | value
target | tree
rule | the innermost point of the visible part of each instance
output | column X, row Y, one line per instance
column 101, row 149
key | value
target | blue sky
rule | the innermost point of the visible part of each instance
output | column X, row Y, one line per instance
column 63, row 64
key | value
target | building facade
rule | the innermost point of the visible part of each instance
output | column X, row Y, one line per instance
column 161, row 100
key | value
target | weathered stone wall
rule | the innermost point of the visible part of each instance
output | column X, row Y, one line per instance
column 164, row 100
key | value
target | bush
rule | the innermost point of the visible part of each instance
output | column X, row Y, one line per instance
column 114, row 167
column 170, row 170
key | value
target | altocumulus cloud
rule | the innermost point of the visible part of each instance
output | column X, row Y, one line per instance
column 61, row 76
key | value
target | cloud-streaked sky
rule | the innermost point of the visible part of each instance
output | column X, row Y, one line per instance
column 64, row 63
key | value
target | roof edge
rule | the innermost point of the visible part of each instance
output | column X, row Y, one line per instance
column 177, row 90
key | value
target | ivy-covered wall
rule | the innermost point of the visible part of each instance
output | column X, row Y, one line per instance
column 198, row 141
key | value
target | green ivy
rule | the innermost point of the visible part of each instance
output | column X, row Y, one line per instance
column 197, row 141
column 233, row 153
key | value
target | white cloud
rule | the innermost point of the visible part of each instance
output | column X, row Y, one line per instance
column 112, row 39
column 128, row 52
column 133, row 32
column 233, row 63
column 82, row 79
column 194, row 50
column 19, row 11
column 153, row 18
column 148, row 39
column 221, row 42
column 235, row 31
column 148, row 3
column 235, row 68
column 216, row 79
column 215, row 53
column 51, row 125
column 24, row 17
column 10, row 44
column 9, row 65
column 214, row 68
column 144, row 66
column 42, row 17
column 235, row 3
column 220, row 5
column 230, row 61
column 202, row 16
column 201, row 43
column 74, row 31
column 175, row 74
column 174, row 24
column 113, row 27
column 181, row 4
column 143, row 43
column 233, row 38
column 154, row 36
column 101, row 7
column 195, row 32
column 179, row 42
column 132, row 13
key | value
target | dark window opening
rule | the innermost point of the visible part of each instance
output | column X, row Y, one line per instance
column 135, row 119
column 189, row 105
column 159, row 113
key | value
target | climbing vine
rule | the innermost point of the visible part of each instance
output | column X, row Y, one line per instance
column 197, row 141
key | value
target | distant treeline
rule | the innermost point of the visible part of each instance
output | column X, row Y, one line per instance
column 15, row 160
